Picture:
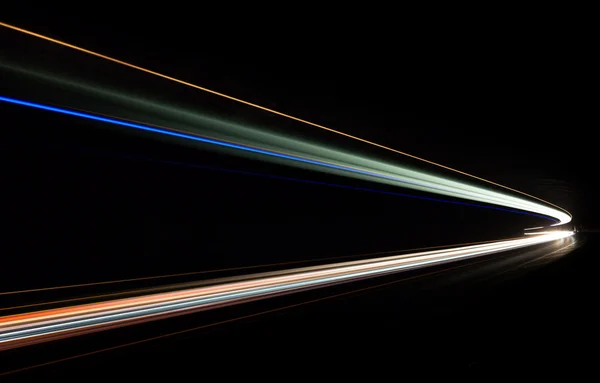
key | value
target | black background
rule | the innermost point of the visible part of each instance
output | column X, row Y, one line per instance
column 85, row 203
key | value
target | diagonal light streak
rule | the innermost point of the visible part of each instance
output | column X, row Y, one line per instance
column 22, row 329
column 182, row 82
column 442, row 186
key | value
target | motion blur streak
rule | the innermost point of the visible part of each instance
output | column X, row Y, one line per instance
column 36, row 327
column 343, row 165
column 540, row 232
column 87, row 51
column 214, row 271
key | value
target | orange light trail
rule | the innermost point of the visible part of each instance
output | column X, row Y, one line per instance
column 260, row 313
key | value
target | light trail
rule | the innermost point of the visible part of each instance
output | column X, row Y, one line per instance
column 155, row 277
column 182, row 82
column 162, row 116
column 540, row 232
column 36, row 327
column 395, row 176
column 312, row 182
column 231, row 320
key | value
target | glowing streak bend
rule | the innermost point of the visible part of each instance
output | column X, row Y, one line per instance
column 182, row 82
column 30, row 328
column 421, row 181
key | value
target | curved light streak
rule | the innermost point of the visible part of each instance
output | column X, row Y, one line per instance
column 418, row 181
column 198, row 124
column 182, row 82
column 329, row 184
column 31, row 328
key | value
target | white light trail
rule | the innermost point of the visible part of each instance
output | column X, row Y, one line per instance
column 35, row 327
